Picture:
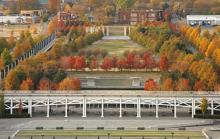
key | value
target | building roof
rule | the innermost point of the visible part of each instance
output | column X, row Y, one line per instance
column 203, row 17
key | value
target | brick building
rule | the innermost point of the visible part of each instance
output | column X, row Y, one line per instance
column 134, row 17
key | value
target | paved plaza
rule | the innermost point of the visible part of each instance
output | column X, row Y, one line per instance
column 9, row 126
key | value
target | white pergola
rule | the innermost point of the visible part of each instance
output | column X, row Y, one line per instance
column 33, row 99
column 106, row 29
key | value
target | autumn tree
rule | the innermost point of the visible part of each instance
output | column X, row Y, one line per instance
column 211, row 48
column 204, row 42
column 26, row 84
column 121, row 64
column 163, row 63
column 53, row 25
column 93, row 64
column 11, row 81
column 1, row 63
column 80, row 63
column 70, row 84
column 106, row 64
column 168, row 85
column 199, row 86
column 151, row 85
column 216, row 56
column 130, row 60
column 183, row 85
column 44, row 84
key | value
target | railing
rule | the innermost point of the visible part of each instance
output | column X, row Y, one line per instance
column 36, row 49
column 112, row 93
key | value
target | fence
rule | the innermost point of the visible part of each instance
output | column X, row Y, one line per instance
column 36, row 49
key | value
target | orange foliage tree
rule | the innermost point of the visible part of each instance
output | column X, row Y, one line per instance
column 150, row 85
column 52, row 26
column 163, row 63
column 168, row 85
column 70, row 84
column 183, row 85
column 26, row 84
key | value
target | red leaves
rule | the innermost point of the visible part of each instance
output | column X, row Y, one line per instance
column 80, row 63
column 107, row 64
column 73, row 62
column 131, row 60
column 163, row 63
column 45, row 84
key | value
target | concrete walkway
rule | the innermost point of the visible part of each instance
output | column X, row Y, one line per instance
column 116, row 38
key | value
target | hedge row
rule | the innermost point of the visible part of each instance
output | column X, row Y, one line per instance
column 206, row 116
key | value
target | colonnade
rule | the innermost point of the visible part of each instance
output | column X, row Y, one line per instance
column 32, row 101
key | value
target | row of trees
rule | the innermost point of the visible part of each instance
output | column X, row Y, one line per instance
column 42, row 71
column 186, row 70
column 39, row 73
column 46, row 84
column 130, row 61
column 152, row 34
column 11, row 48
column 206, row 43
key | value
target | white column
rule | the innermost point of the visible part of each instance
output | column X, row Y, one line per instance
column 11, row 106
column 120, row 108
column 212, row 107
column 125, row 31
column 30, row 107
column 102, row 108
column 175, row 108
column 48, row 108
column 193, row 107
column 157, row 107
column 84, row 107
column 138, row 108
column 66, row 107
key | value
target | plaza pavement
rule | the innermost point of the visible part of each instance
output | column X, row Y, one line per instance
column 9, row 126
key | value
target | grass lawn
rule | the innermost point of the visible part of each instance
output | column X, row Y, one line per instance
column 90, row 133
column 115, row 47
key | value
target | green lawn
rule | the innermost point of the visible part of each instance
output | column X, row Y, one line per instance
column 91, row 133
column 115, row 47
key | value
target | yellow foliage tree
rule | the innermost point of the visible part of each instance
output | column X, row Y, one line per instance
column 11, row 81
column 211, row 48
column 69, row 84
